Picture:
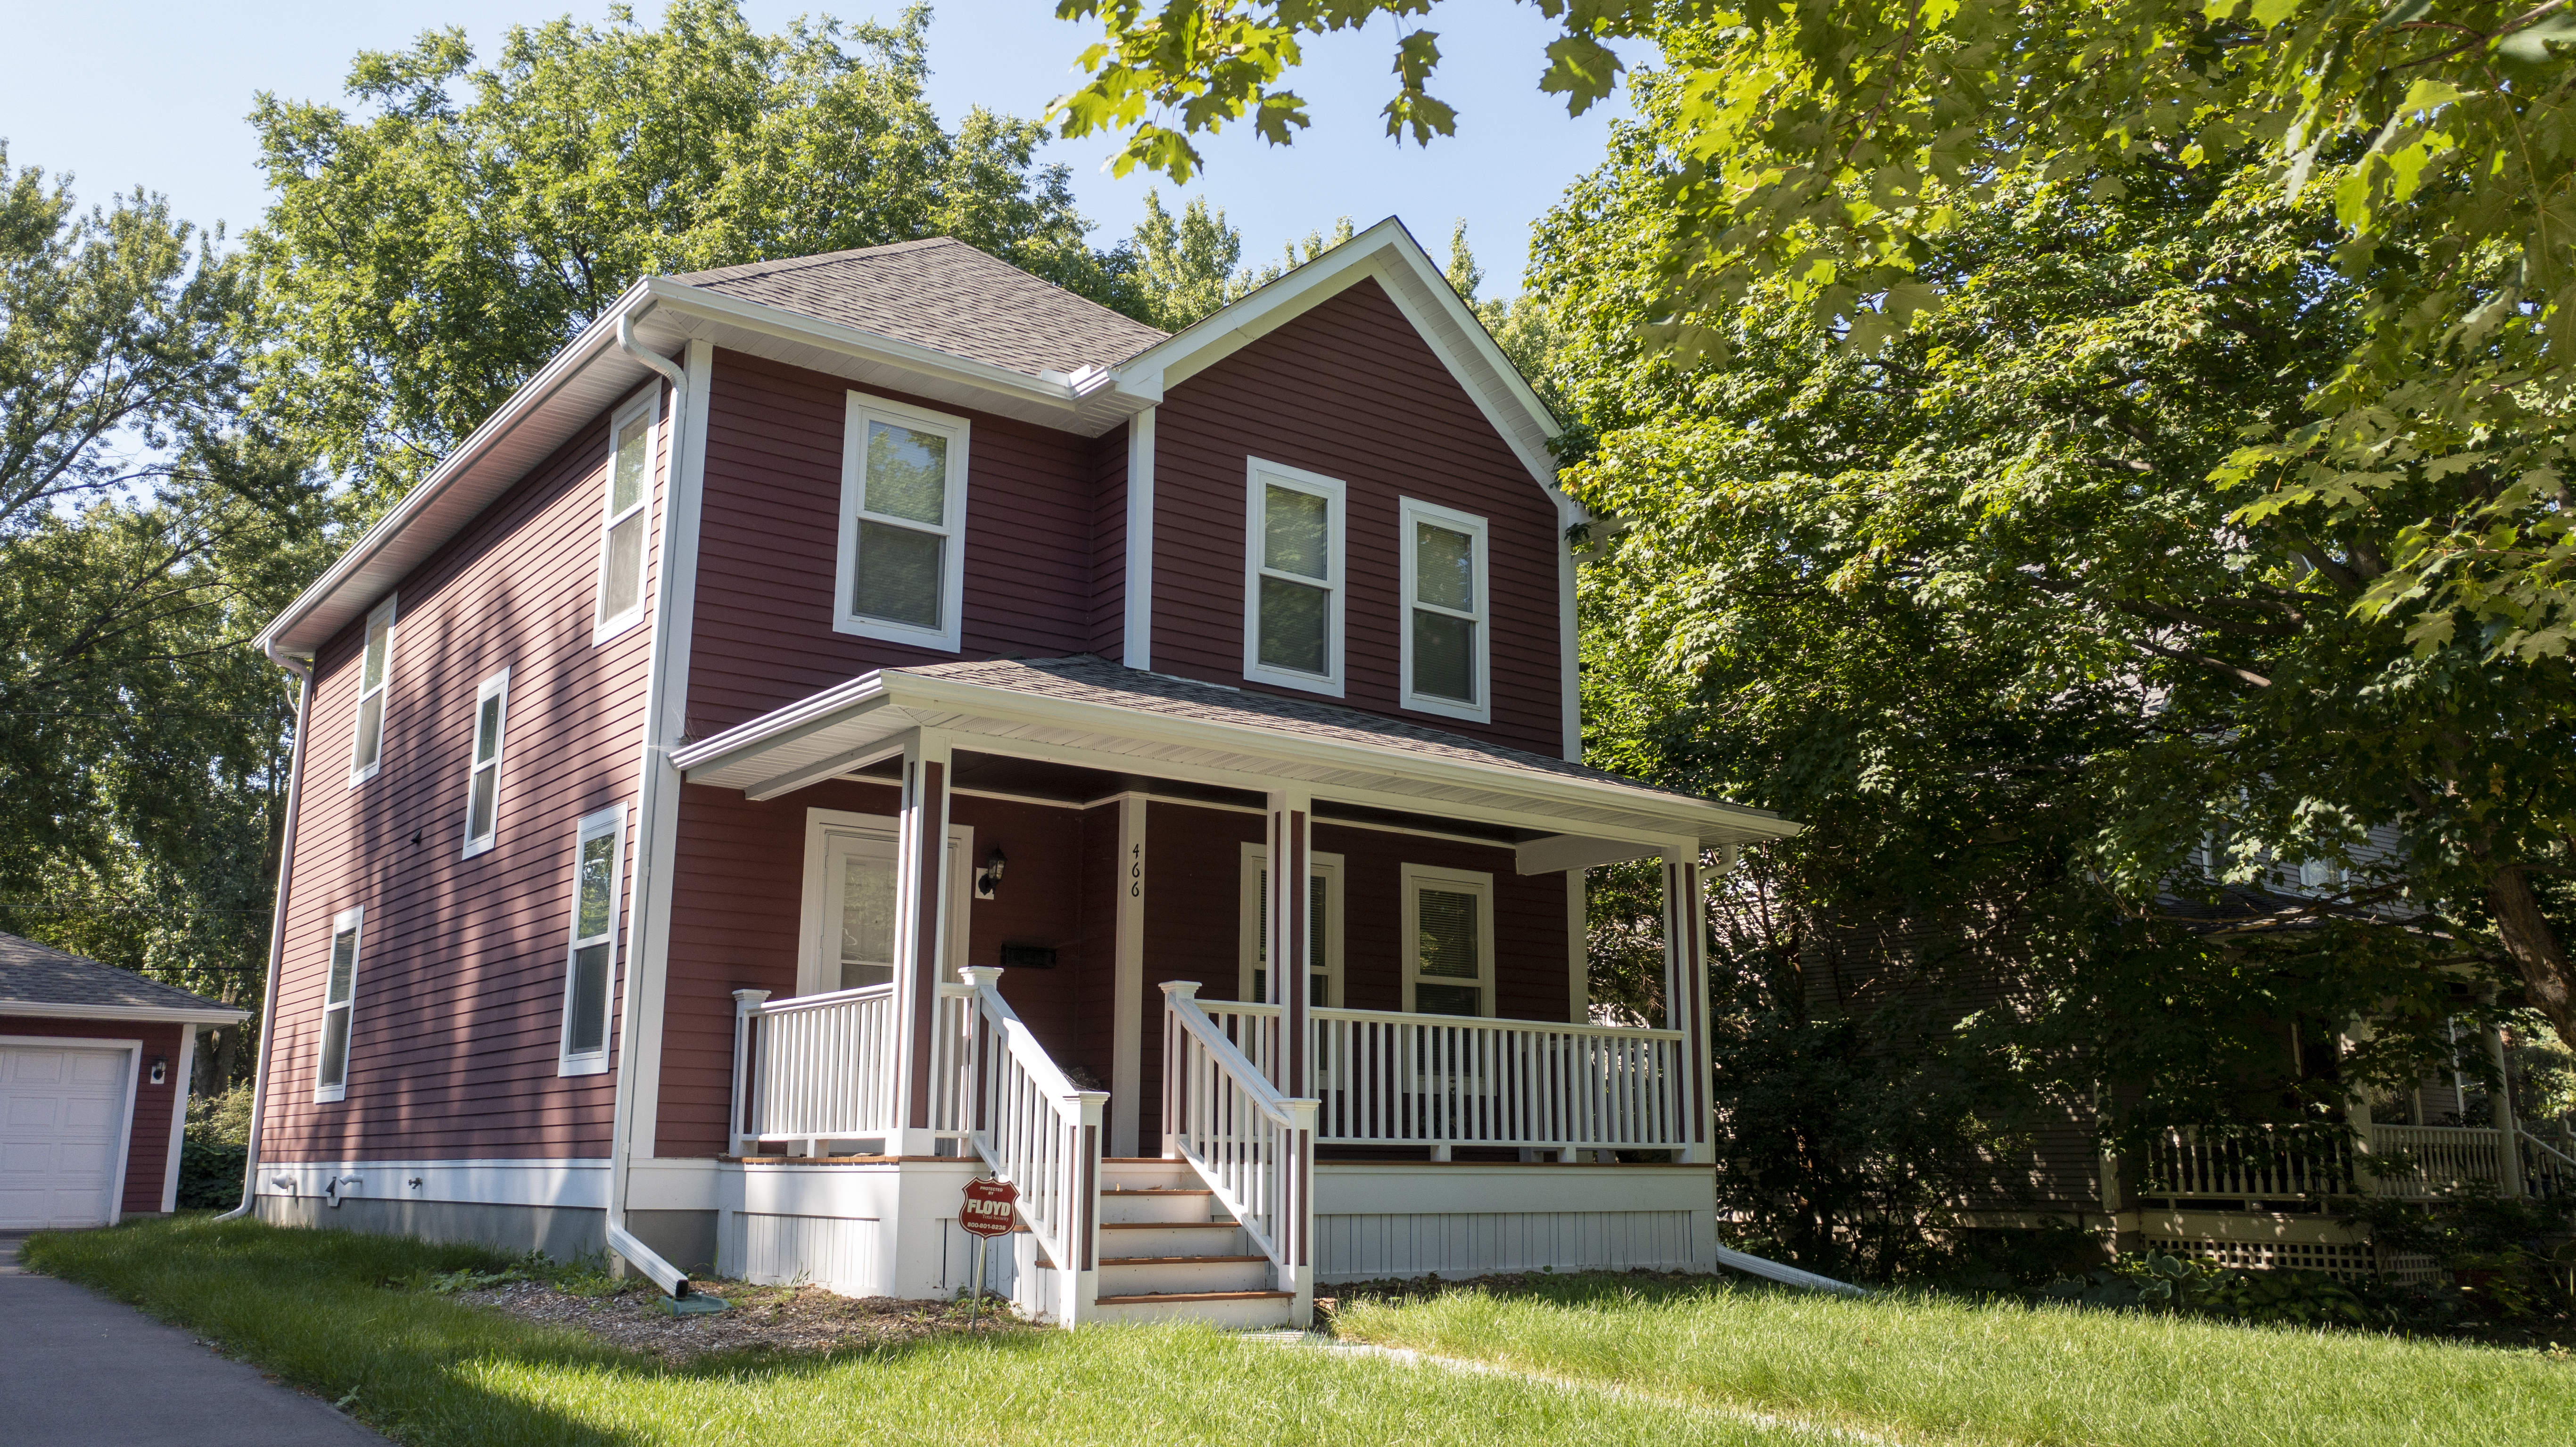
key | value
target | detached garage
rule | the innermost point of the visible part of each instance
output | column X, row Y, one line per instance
column 94, row 1065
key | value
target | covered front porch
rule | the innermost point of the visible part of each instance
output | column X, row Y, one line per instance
column 1037, row 931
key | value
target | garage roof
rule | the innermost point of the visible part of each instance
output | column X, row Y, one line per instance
column 40, row 980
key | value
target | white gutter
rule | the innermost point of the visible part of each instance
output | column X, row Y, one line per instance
column 140, row 1014
column 303, row 672
column 655, row 764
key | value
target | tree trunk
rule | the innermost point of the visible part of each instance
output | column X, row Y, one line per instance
column 2535, row 950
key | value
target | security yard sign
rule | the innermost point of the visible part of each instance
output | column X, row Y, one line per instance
column 987, row 1211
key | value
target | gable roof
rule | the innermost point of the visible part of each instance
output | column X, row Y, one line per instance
column 41, row 980
column 946, row 295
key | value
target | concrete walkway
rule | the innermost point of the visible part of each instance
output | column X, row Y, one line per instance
column 79, row 1370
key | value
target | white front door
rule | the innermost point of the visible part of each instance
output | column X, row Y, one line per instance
column 62, row 1133
column 849, row 905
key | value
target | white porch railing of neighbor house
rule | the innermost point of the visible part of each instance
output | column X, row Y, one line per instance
column 1253, row 1146
column 813, row 1069
column 1390, row 1079
column 2418, row 1161
column 1037, row 1130
column 2410, row 1162
column 2267, row 1166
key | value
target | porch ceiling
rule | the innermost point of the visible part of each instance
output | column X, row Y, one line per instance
column 1088, row 712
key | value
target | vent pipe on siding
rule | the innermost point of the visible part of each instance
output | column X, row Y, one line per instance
column 302, row 669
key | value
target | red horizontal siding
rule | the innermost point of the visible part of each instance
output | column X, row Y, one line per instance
column 1351, row 391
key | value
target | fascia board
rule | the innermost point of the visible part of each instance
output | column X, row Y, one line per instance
column 284, row 634
column 780, row 726
column 145, row 1014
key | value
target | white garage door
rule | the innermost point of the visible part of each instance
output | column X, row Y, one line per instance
column 62, row 1112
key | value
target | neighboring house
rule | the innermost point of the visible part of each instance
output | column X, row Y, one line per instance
column 94, row 1069
column 825, row 739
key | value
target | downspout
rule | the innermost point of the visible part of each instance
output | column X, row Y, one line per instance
column 303, row 673
column 656, row 762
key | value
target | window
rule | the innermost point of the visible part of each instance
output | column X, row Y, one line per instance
column 375, row 677
column 331, row 1075
column 591, row 964
column 1323, row 939
column 1445, row 643
column 1292, row 602
column 1449, row 929
column 483, row 781
column 903, row 517
column 621, row 523
column 849, row 912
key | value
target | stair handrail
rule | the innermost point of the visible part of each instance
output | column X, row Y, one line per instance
column 1261, row 1170
column 1039, row 1131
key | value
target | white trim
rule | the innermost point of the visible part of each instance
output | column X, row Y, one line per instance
column 1409, row 513
column 178, row 1117
column 1259, row 476
column 861, row 409
column 137, row 1014
column 1411, row 878
column 383, row 693
column 1569, row 669
column 578, row 1182
column 812, row 917
column 133, row 1052
column 608, row 824
column 1578, row 948
column 1136, row 649
column 1248, row 910
column 1127, row 982
column 645, row 404
column 497, row 686
column 351, row 922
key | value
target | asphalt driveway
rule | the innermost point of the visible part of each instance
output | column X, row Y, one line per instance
column 79, row 1370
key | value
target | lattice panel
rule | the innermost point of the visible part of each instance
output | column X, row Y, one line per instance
column 2345, row 1263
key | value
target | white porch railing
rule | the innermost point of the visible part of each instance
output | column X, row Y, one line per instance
column 1039, row 1132
column 1389, row 1079
column 1253, row 1146
column 813, row 1069
column 2270, row 1166
column 2418, row 1161
column 2409, row 1162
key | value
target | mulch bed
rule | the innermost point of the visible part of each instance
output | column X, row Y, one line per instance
column 772, row 1318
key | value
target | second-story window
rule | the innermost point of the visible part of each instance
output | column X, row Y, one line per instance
column 1446, row 644
column 621, row 524
column 903, row 520
column 1292, row 599
column 375, row 682
column 340, row 987
column 483, row 784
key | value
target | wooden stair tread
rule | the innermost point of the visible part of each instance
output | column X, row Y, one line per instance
column 1167, row 1225
column 1168, row 1298
column 1156, row 1191
column 1173, row 1260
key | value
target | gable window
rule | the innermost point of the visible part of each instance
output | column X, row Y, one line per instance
column 331, row 1075
column 1323, row 938
column 591, row 961
column 1446, row 643
column 903, row 523
column 1292, row 602
column 1448, row 941
column 375, row 675
column 621, row 522
column 483, row 782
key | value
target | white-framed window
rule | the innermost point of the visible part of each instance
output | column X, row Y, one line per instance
column 590, row 961
column 846, row 940
column 483, row 778
column 1323, row 939
column 331, row 1070
column 622, row 516
column 375, row 685
column 1449, row 941
column 1292, row 578
column 902, row 576
column 1448, row 612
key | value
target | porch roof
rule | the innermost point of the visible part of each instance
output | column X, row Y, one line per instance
column 1088, row 710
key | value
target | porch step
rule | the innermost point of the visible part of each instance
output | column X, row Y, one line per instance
column 1216, row 1308
column 1125, row 1206
column 1123, row 1277
column 1129, row 1240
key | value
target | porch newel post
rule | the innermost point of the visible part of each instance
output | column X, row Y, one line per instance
column 921, row 935
column 746, row 1075
column 1686, row 990
column 1291, row 852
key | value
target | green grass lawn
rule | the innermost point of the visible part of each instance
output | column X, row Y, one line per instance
column 345, row 1317
column 1936, row 1370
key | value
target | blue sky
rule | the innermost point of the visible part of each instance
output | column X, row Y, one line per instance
column 153, row 94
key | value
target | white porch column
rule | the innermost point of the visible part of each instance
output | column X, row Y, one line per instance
column 1686, row 989
column 1127, row 982
column 1292, row 851
column 921, row 926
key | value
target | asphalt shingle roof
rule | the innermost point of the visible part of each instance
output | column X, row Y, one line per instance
column 943, row 294
column 40, row 975
column 1084, row 678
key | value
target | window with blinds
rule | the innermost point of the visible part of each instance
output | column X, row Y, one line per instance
column 1449, row 932
column 1292, row 611
column 1323, row 937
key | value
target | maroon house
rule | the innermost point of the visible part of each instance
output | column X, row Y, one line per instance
column 828, row 736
